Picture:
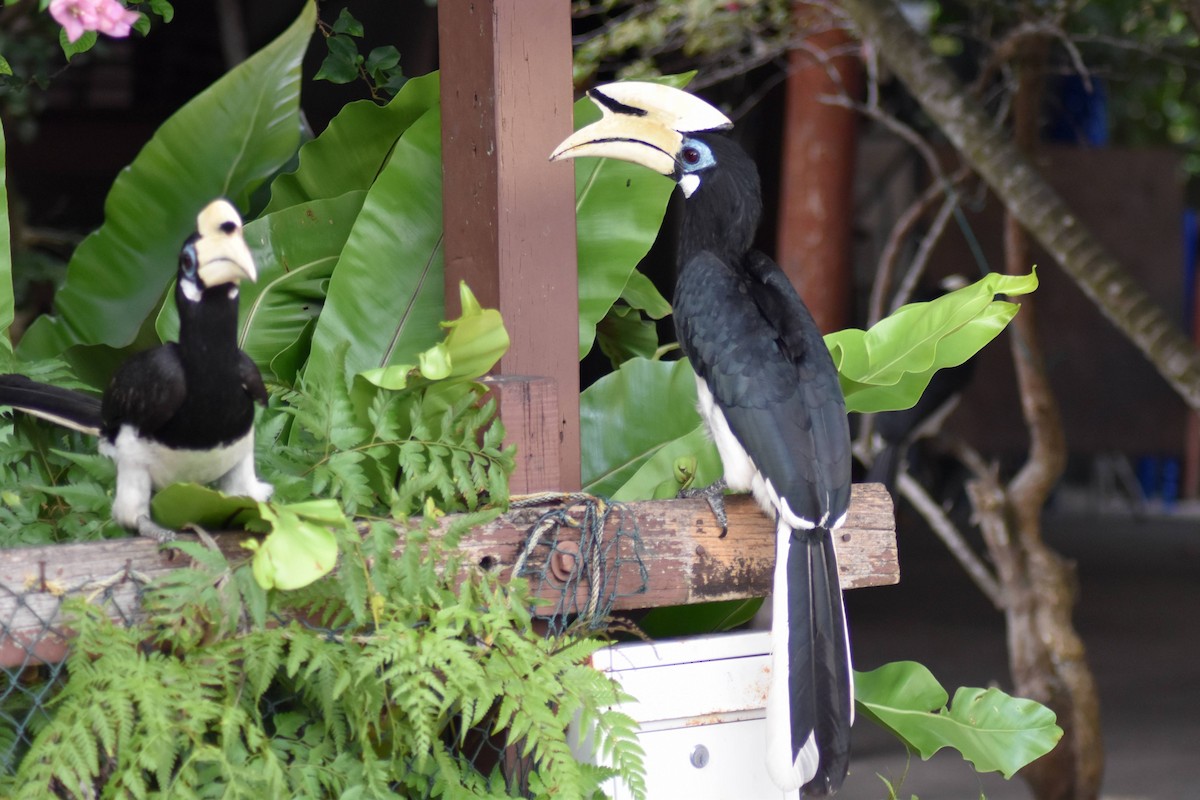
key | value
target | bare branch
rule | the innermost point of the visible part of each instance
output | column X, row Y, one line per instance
column 946, row 530
column 903, row 226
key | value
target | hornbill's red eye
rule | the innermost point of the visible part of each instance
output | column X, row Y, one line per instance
column 690, row 156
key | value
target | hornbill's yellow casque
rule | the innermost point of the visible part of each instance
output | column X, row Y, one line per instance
column 769, row 392
column 183, row 411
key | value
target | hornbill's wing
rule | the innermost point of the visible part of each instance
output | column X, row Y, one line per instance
column 770, row 373
column 146, row 391
column 65, row 407
column 758, row 352
column 252, row 380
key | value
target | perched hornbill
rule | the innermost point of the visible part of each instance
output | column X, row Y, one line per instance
column 769, row 392
column 183, row 411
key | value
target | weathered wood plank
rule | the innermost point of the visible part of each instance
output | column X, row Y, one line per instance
column 686, row 561
column 689, row 562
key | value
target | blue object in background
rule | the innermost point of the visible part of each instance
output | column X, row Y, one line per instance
column 1079, row 117
column 1147, row 475
column 1160, row 477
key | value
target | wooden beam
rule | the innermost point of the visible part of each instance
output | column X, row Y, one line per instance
column 686, row 558
column 686, row 562
column 528, row 407
column 509, row 213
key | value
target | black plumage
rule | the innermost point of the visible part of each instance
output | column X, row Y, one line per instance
column 65, row 407
column 195, row 393
column 769, row 393
column 757, row 349
column 183, row 411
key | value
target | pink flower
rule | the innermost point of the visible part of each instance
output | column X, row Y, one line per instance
column 106, row 16
column 115, row 19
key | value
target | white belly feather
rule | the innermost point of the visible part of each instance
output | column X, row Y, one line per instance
column 145, row 466
column 167, row 466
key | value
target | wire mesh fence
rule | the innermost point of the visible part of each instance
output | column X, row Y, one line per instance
column 34, row 643
column 575, row 551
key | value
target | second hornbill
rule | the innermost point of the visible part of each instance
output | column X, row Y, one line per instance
column 769, row 393
column 182, row 411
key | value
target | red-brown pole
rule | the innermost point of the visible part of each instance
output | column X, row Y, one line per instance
column 816, row 195
column 509, row 212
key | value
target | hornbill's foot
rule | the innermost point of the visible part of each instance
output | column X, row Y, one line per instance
column 714, row 493
column 151, row 529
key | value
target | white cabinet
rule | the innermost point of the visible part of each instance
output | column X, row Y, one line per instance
column 701, row 705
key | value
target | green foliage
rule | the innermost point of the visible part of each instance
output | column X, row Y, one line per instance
column 992, row 730
column 332, row 264
column 373, row 409
column 6, row 283
column 56, row 487
column 888, row 367
column 393, row 683
column 389, row 315
column 883, row 369
column 619, row 208
column 380, row 68
column 224, row 142
column 635, row 41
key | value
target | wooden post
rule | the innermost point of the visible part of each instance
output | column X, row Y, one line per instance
column 816, row 199
column 686, row 559
column 509, row 214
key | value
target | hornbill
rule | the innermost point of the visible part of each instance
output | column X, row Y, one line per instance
column 182, row 411
column 769, row 393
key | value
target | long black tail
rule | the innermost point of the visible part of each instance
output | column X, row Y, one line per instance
column 65, row 407
column 811, row 703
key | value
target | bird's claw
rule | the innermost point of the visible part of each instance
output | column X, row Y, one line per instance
column 714, row 493
column 152, row 530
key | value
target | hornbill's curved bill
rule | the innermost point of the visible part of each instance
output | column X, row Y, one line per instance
column 183, row 411
column 769, row 392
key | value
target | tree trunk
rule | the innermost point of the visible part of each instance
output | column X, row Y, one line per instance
column 1027, row 196
column 1046, row 656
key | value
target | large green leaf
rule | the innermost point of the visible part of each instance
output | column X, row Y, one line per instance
column 224, row 142
column 624, row 334
column 473, row 344
column 641, row 293
column 182, row 504
column 631, row 414
column 352, row 149
column 619, row 209
column 299, row 547
column 994, row 731
column 6, row 285
column 887, row 367
column 386, row 296
column 687, row 461
column 295, row 250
